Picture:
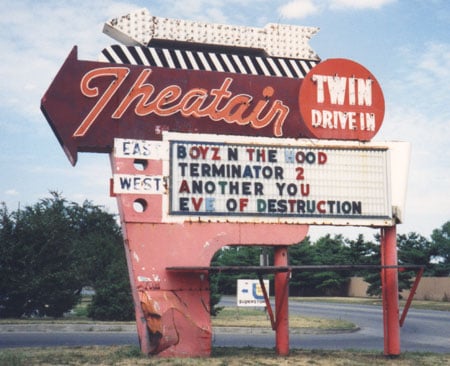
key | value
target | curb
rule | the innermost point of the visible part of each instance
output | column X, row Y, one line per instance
column 131, row 328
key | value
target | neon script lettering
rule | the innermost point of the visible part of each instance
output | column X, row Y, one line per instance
column 217, row 104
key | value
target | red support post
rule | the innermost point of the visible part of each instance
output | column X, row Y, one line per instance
column 389, row 287
column 267, row 301
column 412, row 292
column 281, row 302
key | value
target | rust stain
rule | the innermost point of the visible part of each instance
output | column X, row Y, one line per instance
column 153, row 319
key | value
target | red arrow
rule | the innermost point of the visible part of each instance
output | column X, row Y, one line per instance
column 90, row 103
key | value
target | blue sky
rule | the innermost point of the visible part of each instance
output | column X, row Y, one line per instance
column 404, row 43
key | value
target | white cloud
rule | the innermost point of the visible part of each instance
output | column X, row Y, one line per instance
column 430, row 75
column 422, row 84
column 359, row 4
column 296, row 9
column 417, row 110
column 197, row 10
column 37, row 37
column 11, row 192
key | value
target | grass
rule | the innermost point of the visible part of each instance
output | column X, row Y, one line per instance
column 247, row 356
column 227, row 317
column 130, row 355
column 416, row 304
column 257, row 318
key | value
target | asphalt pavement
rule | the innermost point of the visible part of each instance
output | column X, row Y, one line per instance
column 424, row 330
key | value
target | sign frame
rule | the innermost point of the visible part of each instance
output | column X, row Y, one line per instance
column 389, row 220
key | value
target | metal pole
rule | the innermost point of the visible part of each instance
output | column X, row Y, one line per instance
column 389, row 287
column 412, row 292
column 282, row 302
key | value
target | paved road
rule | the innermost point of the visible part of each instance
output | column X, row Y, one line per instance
column 423, row 331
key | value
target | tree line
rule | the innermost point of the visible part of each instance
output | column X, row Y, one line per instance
column 53, row 249
column 413, row 249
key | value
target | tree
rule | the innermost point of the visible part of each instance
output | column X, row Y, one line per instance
column 112, row 299
column 325, row 251
column 233, row 256
column 441, row 249
column 51, row 250
column 300, row 254
column 331, row 251
column 38, row 265
column 361, row 252
column 412, row 249
column 214, row 292
column 101, row 258
column 12, row 298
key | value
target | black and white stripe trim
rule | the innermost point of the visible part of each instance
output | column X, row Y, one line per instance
column 209, row 61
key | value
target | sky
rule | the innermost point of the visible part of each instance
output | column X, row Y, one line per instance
column 404, row 43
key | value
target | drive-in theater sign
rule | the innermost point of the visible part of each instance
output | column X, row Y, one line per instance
column 222, row 135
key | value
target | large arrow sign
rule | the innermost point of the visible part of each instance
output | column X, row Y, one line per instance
column 91, row 103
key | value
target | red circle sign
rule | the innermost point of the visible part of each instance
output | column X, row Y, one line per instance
column 340, row 99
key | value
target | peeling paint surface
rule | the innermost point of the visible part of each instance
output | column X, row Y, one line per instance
column 173, row 309
column 136, row 257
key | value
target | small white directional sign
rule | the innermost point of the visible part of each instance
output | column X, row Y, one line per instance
column 250, row 293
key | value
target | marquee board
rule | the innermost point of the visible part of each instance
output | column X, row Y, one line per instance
column 210, row 178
